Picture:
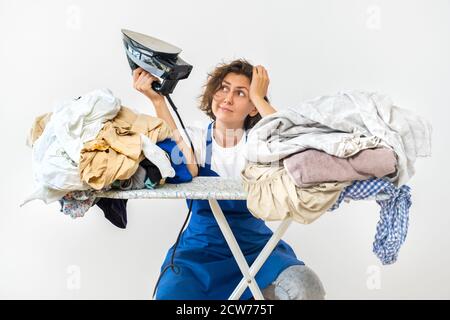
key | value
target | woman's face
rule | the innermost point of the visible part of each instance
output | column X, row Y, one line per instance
column 231, row 103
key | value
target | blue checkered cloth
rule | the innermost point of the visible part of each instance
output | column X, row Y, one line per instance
column 392, row 227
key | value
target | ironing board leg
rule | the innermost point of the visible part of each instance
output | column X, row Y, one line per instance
column 262, row 257
column 234, row 247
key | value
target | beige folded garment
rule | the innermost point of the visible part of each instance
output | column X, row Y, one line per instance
column 272, row 195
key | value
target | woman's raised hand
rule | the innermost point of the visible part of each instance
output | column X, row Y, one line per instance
column 259, row 84
column 142, row 82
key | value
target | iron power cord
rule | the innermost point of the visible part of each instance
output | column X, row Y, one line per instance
column 172, row 264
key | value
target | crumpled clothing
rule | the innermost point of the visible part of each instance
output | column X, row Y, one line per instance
column 37, row 128
column 136, row 182
column 82, row 119
column 116, row 152
column 76, row 203
column 149, row 184
column 152, row 174
column 311, row 167
column 392, row 228
column 158, row 157
column 55, row 152
column 115, row 210
column 272, row 195
column 361, row 190
column 342, row 125
column 45, row 194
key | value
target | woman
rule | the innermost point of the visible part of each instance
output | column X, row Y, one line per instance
column 235, row 99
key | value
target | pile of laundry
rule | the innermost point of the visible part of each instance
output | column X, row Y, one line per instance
column 94, row 143
column 304, row 161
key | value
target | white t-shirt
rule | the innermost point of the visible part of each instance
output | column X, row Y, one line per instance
column 226, row 162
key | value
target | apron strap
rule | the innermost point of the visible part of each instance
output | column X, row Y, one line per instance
column 209, row 146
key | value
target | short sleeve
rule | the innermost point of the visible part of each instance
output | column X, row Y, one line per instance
column 198, row 138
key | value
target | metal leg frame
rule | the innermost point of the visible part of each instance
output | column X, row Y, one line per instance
column 249, row 273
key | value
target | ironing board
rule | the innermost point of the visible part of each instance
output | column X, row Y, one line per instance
column 213, row 189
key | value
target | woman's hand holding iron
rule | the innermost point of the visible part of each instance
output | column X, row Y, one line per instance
column 142, row 82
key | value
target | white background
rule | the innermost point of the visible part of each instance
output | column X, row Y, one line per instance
column 54, row 50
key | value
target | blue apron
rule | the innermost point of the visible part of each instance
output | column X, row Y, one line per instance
column 205, row 267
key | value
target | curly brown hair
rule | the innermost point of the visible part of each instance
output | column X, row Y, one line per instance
column 214, row 82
